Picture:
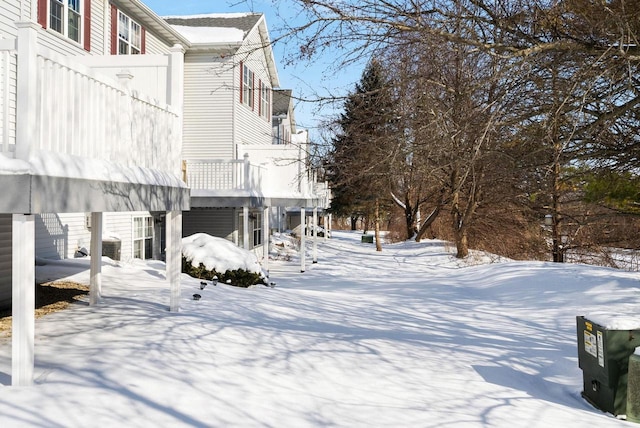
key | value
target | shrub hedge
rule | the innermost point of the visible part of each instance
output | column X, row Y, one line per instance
column 237, row 277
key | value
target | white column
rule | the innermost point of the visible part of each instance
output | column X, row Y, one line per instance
column 95, row 280
column 23, row 300
column 27, row 135
column 303, row 234
column 265, row 239
column 315, row 234
column 245, row 228
column 176, row 99
column 247, row 172
column 176, row 70
column 174, row 257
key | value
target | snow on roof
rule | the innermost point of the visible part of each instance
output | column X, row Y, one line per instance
column 210, row 15
column 210, row 34
column 215, row 27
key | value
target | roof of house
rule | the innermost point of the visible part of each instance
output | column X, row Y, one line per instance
column 281, row 101
column 151, row 20
column 244, row 22
column 226, row 32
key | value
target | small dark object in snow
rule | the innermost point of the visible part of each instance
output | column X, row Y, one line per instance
column 202, row 285
column 81, row 252
column 272, row 284
column 196, row 296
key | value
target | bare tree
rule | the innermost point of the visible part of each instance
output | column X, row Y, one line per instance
column 535, row 86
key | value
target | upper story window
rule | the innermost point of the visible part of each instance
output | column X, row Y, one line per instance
column 70, row 18
column 129, row 36
column 265, row 101
column 246, row 92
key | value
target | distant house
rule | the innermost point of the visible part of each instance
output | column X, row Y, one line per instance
column 90, row 138
column 239, row 159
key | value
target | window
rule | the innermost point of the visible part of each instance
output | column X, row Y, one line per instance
column 129, row 36
column 71, row 18
column 255, row 221
column 255, row 229
column 246, row 94
column 143, row 237
column 65, row 17
column 265, row 101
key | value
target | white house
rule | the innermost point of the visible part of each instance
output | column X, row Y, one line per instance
column 90, row 129
column 235, row 172
column 107, row 110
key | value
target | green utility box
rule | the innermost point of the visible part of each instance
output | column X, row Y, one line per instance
column 603, row 356
column 367, row 239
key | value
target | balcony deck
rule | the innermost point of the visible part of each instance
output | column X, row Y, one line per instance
column 79, row 130
column 237, row 183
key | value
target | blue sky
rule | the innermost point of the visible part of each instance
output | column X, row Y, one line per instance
column 307, row 80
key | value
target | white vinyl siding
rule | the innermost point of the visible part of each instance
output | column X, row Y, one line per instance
column 155, row 46
column 250, row 127
column 10, row 14
column 5, row 259
column 58, row 236
column 208, row 108
column 215, row 222
column 98, row 29
column 121, row 225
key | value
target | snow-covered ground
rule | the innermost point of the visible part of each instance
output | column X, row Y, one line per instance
column 409, row 337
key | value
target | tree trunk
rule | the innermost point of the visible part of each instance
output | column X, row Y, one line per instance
column 410, row 218
column 428, row 222
column 556, row 232
column 377, row 226
column 461, row 220
column 354, row 222
column 462, row 245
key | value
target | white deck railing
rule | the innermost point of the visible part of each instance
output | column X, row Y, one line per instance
column 53, row 103
column 241, row 175
column 7, row 97
column 218, row 174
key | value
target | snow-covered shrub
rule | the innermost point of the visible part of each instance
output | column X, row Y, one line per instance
column 205, row 256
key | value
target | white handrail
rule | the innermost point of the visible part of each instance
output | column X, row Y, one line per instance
column 75, row 110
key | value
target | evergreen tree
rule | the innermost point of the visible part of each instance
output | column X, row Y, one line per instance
column 359, row 159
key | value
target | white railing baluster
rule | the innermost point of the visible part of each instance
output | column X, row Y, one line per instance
column 217, row 174
column 6, row 67
column 81, row 113
column 26, row 102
